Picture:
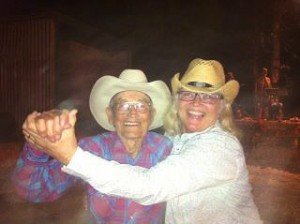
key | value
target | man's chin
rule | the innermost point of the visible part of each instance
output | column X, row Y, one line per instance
column 131, row 133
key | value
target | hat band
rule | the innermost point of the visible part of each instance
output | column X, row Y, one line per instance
column 199, row 84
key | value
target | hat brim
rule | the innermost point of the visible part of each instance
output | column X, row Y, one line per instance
column 229, row 90
column 102, row 92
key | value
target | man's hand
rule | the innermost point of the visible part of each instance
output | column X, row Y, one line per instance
column 53, row 132
column 48, row 124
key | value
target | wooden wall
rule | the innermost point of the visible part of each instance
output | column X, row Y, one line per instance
column 44, row 62
column 27, row 68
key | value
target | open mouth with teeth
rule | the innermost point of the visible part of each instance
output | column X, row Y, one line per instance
column 195, row 114
column 131, row 123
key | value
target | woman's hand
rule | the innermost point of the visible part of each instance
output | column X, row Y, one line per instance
column 52, row 132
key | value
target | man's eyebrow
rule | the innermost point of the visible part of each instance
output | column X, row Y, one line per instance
column 120, row 100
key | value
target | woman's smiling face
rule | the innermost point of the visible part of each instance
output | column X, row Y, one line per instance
column 198, row 114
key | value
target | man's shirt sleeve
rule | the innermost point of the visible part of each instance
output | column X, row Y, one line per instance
column 38, row 178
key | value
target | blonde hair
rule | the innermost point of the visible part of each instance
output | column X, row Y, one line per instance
column 227, row 123
column 172, row 123
column 171, row 120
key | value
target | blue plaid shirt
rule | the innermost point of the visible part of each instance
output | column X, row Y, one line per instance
column 38, row 178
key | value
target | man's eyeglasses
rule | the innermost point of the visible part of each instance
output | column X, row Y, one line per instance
column 204, row 97
column 125, row 107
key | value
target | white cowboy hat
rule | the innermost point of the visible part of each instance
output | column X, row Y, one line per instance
column 130, row 79
column 206, row 76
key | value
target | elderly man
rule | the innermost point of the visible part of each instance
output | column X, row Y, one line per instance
column 128, row 107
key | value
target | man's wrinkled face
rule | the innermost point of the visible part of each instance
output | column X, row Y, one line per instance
column 131, row 114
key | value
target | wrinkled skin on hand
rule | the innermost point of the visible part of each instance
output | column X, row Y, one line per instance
column 52, row 132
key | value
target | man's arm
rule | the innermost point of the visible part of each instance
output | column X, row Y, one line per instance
column 38, row 178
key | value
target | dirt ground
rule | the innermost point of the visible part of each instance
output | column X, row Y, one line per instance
column 274, row 173
column 274, row 166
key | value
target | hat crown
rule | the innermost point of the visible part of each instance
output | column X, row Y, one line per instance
column 206, row 76
column 205, row 71
column 133, row 75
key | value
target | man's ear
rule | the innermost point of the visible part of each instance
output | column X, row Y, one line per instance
column 110, row 115
column 153, row 113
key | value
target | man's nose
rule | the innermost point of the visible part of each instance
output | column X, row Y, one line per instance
column 132, row 109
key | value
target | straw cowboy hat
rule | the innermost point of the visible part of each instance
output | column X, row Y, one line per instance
column 130, row 79
column 206, row 76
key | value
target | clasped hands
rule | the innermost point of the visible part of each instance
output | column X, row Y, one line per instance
column 52, row 132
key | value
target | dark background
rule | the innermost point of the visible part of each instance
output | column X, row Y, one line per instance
column 164, row 36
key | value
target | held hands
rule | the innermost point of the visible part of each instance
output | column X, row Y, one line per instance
column 52, row 132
